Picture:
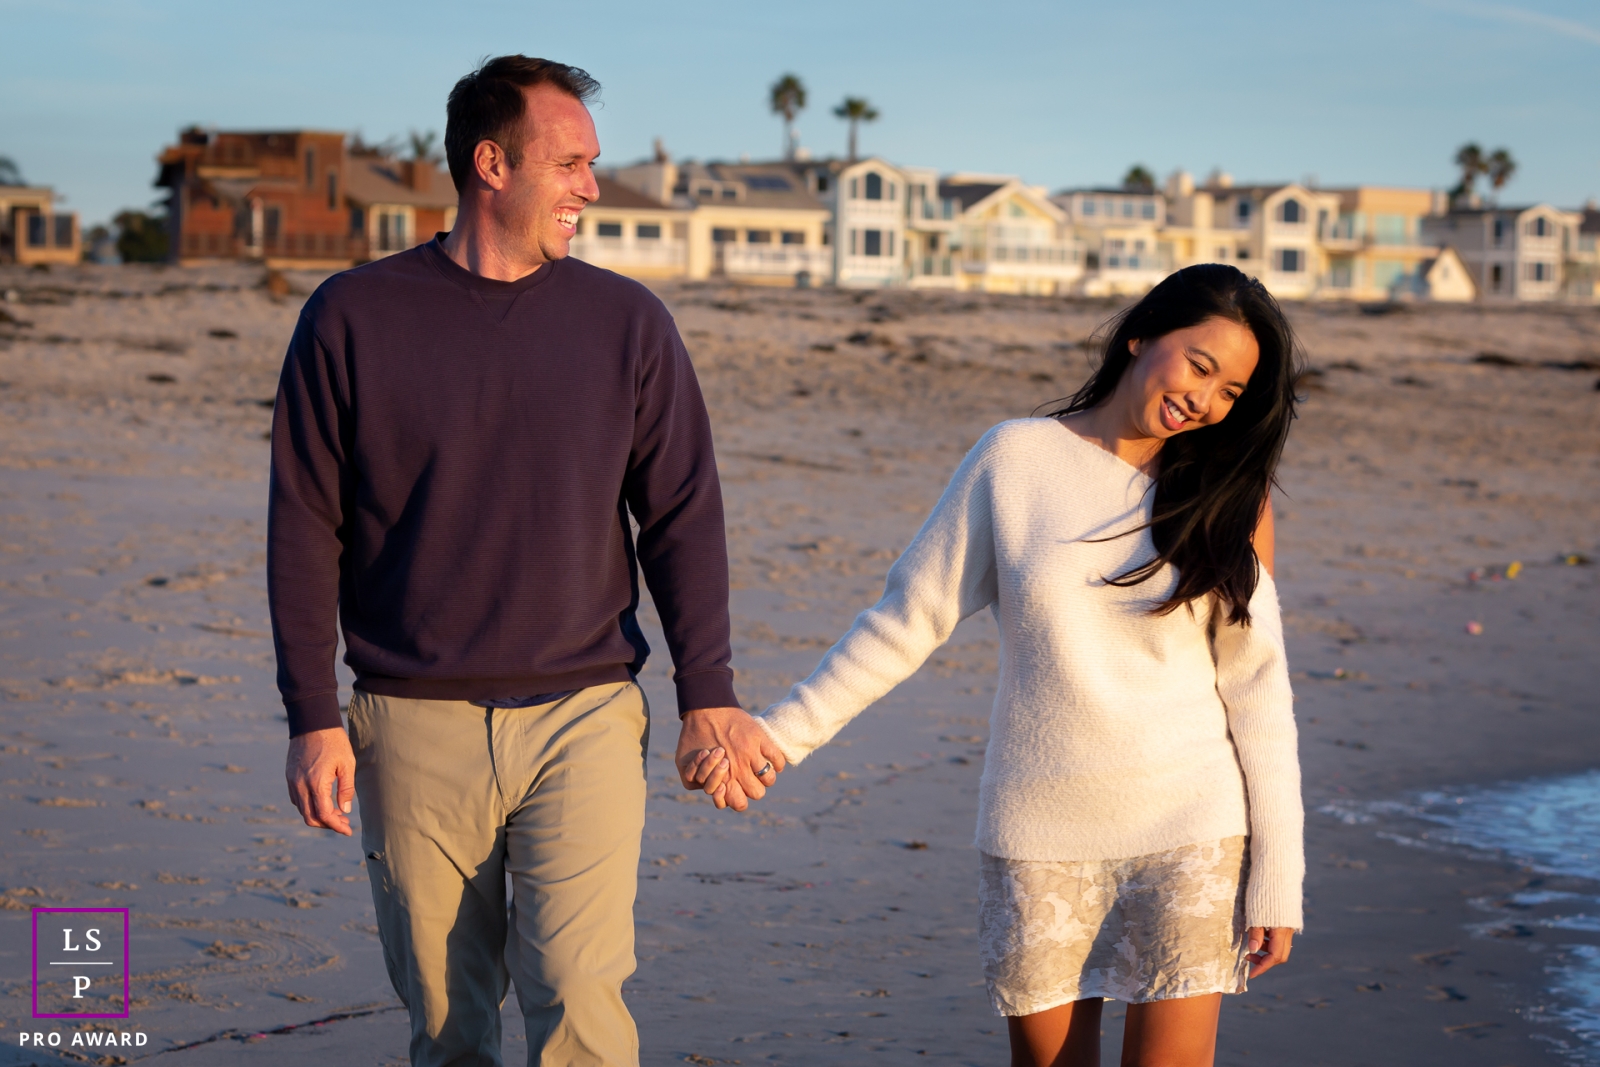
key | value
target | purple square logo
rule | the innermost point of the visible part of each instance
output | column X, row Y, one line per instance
column 80, row 963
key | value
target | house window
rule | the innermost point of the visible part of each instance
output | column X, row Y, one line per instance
column 892, row 188
column 1291, row 212
column 1242, row 254
column 729, row 193
column 358, row 222
column 1390, row 230
column 333, row 190
column 1386, row 273
column 704, row 192
column 1127, row 209
column 1088, row 207
column 609, row 229
column 1147, row 209
column 63, row 231
column 1222, row 255
column 36, row 230
column 1541, row 272
column 391, row 231
column 758, row 237
column 1241, row 211
column 272, row 222
column 1290, row 260
column 872, row 242
column 311, row 167
column 1499, row 231
column 722, row 237
column 1496, row 277
column 648, row 231
column 855, row 188
column 874, row 185
column 1539, row 227
column 933, row 242
column 822, row 183
column 794, row 237
column 1339, row 275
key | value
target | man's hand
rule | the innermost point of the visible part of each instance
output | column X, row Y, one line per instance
column 1268, row 948
column 317, row 760
column 720, row 750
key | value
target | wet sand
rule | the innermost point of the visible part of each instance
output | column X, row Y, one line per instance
column 143, row 741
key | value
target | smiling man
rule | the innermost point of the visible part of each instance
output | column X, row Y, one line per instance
column 462, row 434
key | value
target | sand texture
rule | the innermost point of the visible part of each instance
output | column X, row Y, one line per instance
column 141, row 742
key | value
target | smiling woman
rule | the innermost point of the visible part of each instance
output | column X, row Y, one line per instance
column 1207, row 342
column 1139, row 814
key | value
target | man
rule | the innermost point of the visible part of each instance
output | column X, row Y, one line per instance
column 462, row 433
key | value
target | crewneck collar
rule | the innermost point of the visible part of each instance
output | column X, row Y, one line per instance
column 477, row 283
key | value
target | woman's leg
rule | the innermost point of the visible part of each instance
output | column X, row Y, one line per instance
column 1172, row 1033
column 1064, row 1036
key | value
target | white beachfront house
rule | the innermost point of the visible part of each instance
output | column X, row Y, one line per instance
column 1513, row 253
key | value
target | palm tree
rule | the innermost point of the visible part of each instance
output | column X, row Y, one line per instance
column 1139, row 180
column 422, row 149
column 1499, row 167
column 788, row 98
column 10, row 173
column 855, row 110
column 1469, row 157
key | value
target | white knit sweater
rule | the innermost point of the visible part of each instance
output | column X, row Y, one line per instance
column 1115, row 733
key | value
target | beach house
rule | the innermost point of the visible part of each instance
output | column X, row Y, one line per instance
column 997, row 234
column 32, row 231
column 1513, row 253
column 395, row 203
column 1121, row 233
column 297, row 198
column 1375, row 246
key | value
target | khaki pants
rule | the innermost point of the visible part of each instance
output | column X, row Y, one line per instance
column 456, row 797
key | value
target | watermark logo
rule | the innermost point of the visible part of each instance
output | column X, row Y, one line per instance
column 80, row 963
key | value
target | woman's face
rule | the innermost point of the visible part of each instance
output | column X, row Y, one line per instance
column 1188, row 378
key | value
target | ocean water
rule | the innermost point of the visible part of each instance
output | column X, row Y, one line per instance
column 1551, row 825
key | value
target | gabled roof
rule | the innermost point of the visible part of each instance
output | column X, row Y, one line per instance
column 375, row 180
column 766, row 185
column 968, row 193
column 614, row 194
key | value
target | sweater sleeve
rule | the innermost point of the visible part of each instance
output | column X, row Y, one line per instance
column 674, row 493
column 946, row 574
column 305, row 516
column 1253, row 682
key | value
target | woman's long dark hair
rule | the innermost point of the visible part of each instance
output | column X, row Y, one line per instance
column 1212, row 482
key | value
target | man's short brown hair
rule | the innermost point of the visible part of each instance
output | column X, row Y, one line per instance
column 489, row 104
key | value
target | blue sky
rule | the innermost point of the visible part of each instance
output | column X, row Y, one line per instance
column 1064, row 93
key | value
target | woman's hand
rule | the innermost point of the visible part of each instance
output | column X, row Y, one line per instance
column 1268, row 948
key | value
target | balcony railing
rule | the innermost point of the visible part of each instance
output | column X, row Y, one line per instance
column 777, row 261
column 622, row 254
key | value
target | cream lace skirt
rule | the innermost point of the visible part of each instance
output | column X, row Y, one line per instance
column 1156, row 927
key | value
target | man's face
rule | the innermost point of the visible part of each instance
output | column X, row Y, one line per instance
column 548, row 190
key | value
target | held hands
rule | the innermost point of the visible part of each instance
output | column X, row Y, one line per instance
column 720, row 750
column 317, row 761
column 1268, row 948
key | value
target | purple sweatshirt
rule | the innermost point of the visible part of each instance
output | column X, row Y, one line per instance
column 454, row 463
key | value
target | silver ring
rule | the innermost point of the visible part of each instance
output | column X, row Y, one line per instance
column 762, row 773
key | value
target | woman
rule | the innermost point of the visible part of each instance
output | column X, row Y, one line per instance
column 1139, row 815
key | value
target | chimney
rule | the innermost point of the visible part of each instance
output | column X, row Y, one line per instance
column 417, row 174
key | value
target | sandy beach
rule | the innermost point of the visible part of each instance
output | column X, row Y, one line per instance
column 141, row 737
